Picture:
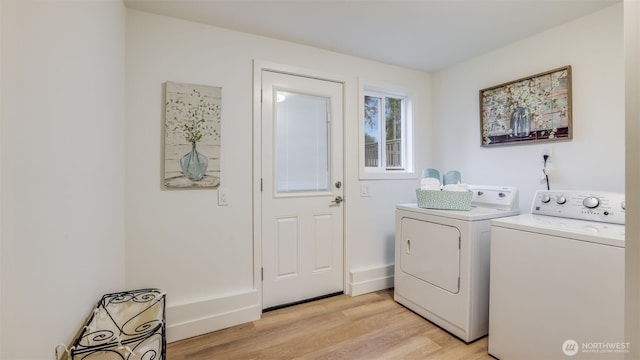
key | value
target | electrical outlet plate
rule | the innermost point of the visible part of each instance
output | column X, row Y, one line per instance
column 223, row 197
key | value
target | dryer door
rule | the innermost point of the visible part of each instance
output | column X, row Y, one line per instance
column 431, row 253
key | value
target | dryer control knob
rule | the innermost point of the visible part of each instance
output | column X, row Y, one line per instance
column 591, row 202
column 561, row 200
column 546, row 198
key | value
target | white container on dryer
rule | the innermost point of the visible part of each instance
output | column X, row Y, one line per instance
column 442, row 260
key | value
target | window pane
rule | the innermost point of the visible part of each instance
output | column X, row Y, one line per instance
column 302, row 142
column 372, row 106
column 393, row 128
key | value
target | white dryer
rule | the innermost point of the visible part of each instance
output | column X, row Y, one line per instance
column 557, row 279
column 442, row 260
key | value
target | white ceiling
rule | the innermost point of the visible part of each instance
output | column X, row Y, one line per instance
column 420, row 34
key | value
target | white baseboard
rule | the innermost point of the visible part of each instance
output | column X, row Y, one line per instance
column 201, row 317
column 370, row 280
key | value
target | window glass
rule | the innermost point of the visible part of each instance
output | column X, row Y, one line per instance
column 302, row 142
column 372, row 106
column 393, row 144
column 385, row 130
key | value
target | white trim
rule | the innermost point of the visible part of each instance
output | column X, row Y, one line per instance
column 365, row 85
column 370, row 280
column 257, row 181
column 192, row 319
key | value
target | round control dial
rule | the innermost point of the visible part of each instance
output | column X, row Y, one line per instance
column 591, row 202
column 546, row 198
column 561, row 200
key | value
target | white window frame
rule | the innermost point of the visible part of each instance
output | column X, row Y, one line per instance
column 370, row 173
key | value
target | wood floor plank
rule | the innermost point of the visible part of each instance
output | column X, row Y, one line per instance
column 369, row 326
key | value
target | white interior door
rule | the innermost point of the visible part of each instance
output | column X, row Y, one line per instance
column 302, row 210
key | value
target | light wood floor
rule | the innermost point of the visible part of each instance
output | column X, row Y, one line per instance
column 370, row 326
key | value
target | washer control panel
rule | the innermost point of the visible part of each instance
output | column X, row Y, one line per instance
column 583, row 205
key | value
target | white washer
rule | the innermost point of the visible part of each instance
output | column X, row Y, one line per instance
column 442, row 260
column 557, row 279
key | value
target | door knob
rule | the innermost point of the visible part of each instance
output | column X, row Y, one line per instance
column 338, row 200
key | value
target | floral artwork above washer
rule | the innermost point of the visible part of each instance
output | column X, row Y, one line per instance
column 192, row 136
column 531, row 109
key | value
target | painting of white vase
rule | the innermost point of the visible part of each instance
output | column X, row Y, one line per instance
column 192, row 136
column 531, row 109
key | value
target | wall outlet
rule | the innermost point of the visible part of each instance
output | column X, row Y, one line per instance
column 547, row 152
column 223, row 197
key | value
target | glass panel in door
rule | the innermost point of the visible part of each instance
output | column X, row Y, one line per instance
column 301, row 143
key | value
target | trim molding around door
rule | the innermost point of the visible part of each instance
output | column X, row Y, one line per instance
column 258, row 67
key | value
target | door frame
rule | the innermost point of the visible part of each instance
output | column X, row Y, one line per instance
column 258, row 67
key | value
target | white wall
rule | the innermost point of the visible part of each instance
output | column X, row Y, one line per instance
column 180, row 240
column 62, row 181
column 593, row 160
column 632, row 107
column 1, row 200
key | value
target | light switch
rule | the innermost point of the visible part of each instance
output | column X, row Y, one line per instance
column 223, row 197
column 365, row 190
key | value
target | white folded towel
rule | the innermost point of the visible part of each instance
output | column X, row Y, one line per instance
column 456, row 187
column 430, row 184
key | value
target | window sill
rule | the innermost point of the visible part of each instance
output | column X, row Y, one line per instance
column 386, row 175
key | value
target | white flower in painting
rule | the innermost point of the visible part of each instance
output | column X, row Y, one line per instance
column 192, row 117
column 539, row 95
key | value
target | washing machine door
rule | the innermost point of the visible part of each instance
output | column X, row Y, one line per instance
column 431, row 253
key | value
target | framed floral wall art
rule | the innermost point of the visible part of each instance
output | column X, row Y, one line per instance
column 192, row 135
column 531, row 109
